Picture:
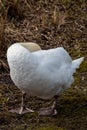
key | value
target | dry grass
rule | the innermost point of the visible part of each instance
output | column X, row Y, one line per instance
column 48, row 23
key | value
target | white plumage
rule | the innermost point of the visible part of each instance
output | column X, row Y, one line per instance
column 42, row 73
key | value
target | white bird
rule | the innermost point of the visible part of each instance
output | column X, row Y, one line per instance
column 41, row 73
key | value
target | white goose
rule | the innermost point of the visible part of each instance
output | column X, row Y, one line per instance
column 41, row 73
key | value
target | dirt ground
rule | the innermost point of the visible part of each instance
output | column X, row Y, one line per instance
column 50, row 24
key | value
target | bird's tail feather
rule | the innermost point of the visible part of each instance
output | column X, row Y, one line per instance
column 77, row 62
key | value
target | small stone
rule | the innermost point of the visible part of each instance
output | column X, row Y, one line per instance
column 83, row 78
column 85, row 90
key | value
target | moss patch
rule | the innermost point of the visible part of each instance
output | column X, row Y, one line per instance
column 49, row 127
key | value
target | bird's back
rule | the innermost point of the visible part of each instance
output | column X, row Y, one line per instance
column 56, row 57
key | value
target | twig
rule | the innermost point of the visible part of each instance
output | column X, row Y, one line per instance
column 3, row 21
column 4, row 65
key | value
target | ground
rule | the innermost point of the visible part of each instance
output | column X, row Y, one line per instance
column 50, row 24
